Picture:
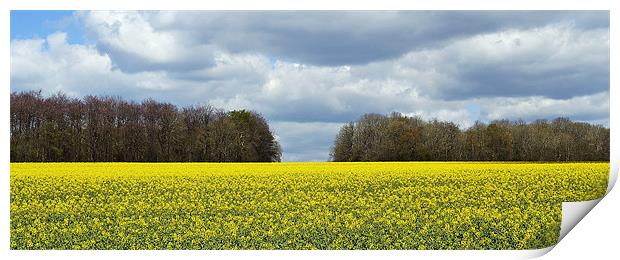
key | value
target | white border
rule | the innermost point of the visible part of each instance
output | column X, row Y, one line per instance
column 586, row 238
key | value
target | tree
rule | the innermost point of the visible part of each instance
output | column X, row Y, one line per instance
column 396, row 137
column 59, row 128
column 342, row 151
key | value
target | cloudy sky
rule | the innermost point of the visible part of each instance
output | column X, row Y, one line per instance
column 310, row 72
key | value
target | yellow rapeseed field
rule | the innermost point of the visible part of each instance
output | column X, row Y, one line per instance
column 295, row 205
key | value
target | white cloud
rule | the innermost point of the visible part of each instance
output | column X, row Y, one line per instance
column 594, row 106
column 131, row 33
column 137, row 46
column 54, row 65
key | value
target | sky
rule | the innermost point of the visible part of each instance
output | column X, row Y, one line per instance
column 309, row 72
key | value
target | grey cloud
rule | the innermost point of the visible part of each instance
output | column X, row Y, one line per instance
column 506, row 80
column 339, row 38
column 313, row 37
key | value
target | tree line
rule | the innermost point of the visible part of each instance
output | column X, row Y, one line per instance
column 109, row 129
column 395, row 137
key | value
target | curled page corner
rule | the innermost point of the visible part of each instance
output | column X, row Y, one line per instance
column 573, row 212
column 534, row 253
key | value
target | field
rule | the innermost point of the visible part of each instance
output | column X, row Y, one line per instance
column 295, row 205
